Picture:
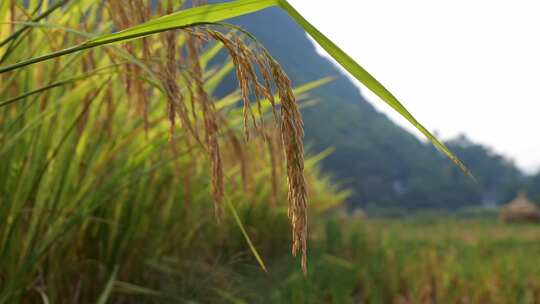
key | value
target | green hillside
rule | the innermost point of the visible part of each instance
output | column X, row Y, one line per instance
column 365, row 157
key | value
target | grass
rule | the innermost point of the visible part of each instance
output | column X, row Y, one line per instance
column 419, row 260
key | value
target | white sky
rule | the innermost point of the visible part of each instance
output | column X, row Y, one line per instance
column 470, row 66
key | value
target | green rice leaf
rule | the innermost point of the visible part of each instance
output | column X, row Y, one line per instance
column 186, row 18
column 367, row 79
column 246, row 236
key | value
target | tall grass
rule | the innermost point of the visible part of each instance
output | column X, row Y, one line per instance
column 113, row 159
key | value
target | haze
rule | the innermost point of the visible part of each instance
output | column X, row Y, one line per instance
column 459, row 66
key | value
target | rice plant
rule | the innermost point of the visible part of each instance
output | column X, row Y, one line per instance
column 112, row 153
column 110, row 157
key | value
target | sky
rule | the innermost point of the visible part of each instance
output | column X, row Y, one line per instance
column 459, row 66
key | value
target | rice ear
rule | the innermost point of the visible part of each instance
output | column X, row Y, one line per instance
column 291, row 127
column 242, row 75
column 242, row 159
column 267, row 88
column 273, row 167
column 292, row 131
column 210, row 126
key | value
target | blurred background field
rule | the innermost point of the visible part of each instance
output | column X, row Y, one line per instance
column 425, row 259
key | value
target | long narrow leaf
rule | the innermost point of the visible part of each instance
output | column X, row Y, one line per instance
column 244, row 232
column 367, row 79
column 185, row 18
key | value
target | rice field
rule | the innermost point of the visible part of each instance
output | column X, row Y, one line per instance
column 419, row 260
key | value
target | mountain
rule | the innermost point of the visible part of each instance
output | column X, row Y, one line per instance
column 382, row 163
column 533, row 188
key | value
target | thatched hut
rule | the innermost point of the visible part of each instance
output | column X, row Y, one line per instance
column 520, row 210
